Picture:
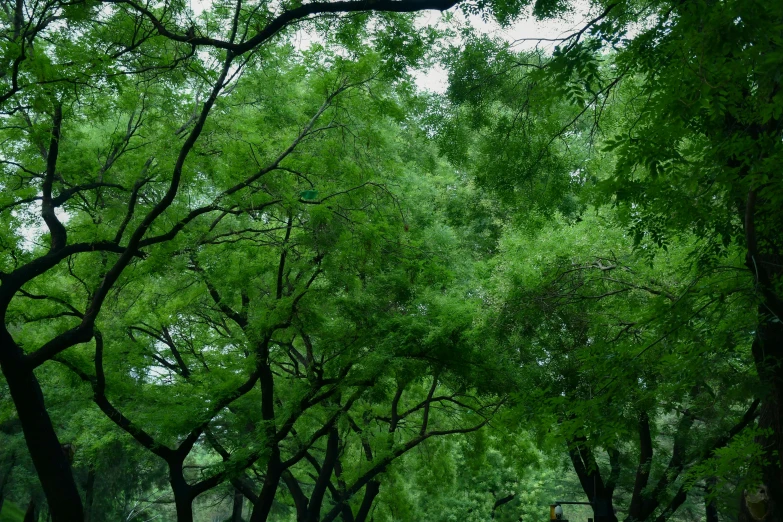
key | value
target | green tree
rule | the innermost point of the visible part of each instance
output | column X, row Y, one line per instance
column 120, row 82
column 333, row 277
column 682, row 101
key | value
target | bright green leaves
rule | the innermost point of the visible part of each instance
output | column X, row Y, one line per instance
column 576, row 68
column 401, row 45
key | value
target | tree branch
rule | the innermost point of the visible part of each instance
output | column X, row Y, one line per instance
column 289, row 17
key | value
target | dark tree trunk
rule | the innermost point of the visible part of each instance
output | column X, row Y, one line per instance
column 184, row 508
column 762, row 218
column 766, row 503
column 603, row 509
column 768, row 352
column 269, row 489
column 274, row 468
column 298, row 496
column 89, row 488
column 183, row 497
column 371, row 491
column 346, row 513
column 236, row 512
column 324, row 477
column 643, row 469
column 586, row 468
column 711, row 511
column 31, row 515
column 51, row 464
column 765, row 261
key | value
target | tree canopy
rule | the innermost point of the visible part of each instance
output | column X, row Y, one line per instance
column 252, row 270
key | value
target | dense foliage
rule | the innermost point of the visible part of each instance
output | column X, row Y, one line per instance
column 251, row 271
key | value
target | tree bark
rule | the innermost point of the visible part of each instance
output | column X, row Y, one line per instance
column 643, row 470
column 371, row 491
column 300, row 500
column 274, row 468
column 767, row 503
column 51, row 464
column 183, row 497
column 586, row 468
column 31, row 515
column 324, row 477
column 274, row 471
column 236, row 512
column 763, row 227
column 89, row 488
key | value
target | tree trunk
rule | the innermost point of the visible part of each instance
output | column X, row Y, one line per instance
column 711, row 511
column 767, row 350
column 371, row 491
column 236, row 513
column 763, row 226
column 324, row 477
column 766, row 503
column 768, row 353
column 274, row 468
column 51, row 464
column 183, row 498
column 346, row 513
column 31, row 515
column 593, row 485
column 643, row 469
column 603, row 509
column 89, row 487
column 268, row 491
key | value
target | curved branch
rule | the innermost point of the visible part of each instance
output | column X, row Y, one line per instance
column 98, row 384
column 56, row 229
column 289, row 17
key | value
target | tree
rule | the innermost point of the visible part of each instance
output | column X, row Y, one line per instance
column 688, row 119
column 714, row 131
column 323, row 296
column 264, row 273
column 616, row 349
column 114, row 207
